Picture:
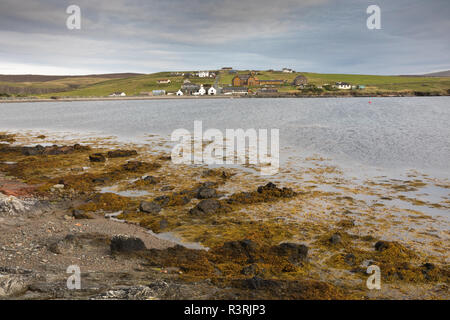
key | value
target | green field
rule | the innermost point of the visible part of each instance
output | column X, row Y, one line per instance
column 101, row 86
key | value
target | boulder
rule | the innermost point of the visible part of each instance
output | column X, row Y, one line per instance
column 381, row 245
column 335, row 239
column 149, row 207
column 151, row 180
column 207, row 206
column 121, row 153
column 97, row 157
column 13, row 285
column 205, row 192
column 124, row 244
column 79, row 214
column 296, row 253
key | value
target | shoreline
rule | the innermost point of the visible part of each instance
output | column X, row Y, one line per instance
column 209, row 97
column 255, row 230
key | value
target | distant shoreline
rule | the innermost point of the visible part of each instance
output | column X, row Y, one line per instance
column 19, row 100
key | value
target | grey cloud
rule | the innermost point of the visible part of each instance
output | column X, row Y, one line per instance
column 146, row 36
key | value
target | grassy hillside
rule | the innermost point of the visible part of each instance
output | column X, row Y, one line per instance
column 38, row 84
column 131, row 86
column 98, row 86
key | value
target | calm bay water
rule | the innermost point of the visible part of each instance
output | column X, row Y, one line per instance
column 388, row 133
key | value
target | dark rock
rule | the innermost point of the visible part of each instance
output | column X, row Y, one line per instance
column 350, row 259
column 335, row 238
column 163, row 224
column 101, row 180
column 257, row 283
column 208, row 206
column 149, row 207
column 295, row 252
column 123, row 243
column 97, row 157
column 167, row 188
column 151, row 180
column 206, row 193
column 121, row 153
column 269, row 186
column 428, row 266
column 381, row 245
column 134, row 166
column 79, row 214
column 249, row 270
column 32, row 151
column 52, row 150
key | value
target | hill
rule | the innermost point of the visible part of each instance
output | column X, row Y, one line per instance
column 438, row 74
column 136, row 84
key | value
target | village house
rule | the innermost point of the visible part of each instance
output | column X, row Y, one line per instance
column 300, row 80
column 250, row 80
column 234, row 90
column 159, row 92
column 118, row 94
column 244, row 80
column 271, row 82
column 179, row 92
column 267, row 91
column 212, row 91
column 343, row 85
column 164, row 81
column 205, row 74
column 189, row 88
column 202, row 90
column 287, row 70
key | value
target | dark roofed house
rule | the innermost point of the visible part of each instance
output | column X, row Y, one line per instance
column 300, row 80
column 244, row 80
column 189, row 88
column 234, row 90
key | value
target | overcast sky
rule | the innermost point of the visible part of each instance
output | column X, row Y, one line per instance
column 145, row 36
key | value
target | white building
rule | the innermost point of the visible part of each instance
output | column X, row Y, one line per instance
column 212, row 91
column 179, row 92
column 118, row 94
column 203, row 74
column 287, row 70
column 201, row 91
column 343, row 85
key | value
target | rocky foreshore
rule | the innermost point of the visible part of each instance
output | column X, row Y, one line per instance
column 140, row 227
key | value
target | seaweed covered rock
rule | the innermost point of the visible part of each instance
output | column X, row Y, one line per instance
column 294, row 252
column 240, row 249
column 97, row 157
column 79, row 214
column 125, row 244
column 121, row 153
column 149, row 207
column 175, row 199
column 205, row 192
column 335, row 238
column 266, row 193
column 52, row 150
column 139, row 166
column 150, row 180
column 208, row 206
column 381, row 245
